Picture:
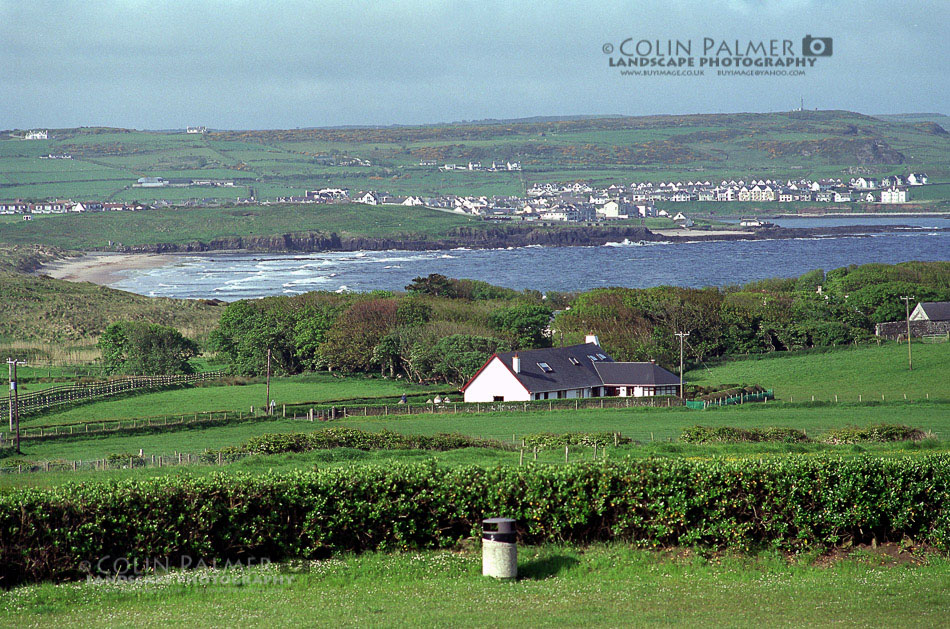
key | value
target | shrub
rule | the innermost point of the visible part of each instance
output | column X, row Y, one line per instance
column 731, row 434
column 876, row 433
column 546, row 440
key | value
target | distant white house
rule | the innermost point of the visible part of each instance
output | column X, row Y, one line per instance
column 894, row 195
column 196, row 130
column 37, row 134
column 576, row 371
column 916, row 179
column 368, row 198
column 150, row 182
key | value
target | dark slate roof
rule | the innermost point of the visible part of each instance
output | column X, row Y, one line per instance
column 627, row 374
column 936, row 310
column 564, row 374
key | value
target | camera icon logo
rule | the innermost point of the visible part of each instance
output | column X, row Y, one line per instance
column 816, row 46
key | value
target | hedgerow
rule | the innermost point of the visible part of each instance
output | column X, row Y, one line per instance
column 789, row 504
column 547, row 440
column 732, row 434
column 343, row 437
column 874, row 433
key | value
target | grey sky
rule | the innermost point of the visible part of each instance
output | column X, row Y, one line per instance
column 269, row 64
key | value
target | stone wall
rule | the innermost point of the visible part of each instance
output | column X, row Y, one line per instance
column 893, row 329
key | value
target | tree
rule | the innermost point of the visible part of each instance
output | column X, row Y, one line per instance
column 140, row 348
column 527, row 325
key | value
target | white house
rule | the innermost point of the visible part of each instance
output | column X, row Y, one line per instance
column 894, row 195
column 196, row 130
column 369, row 198
column 916, row 179
column 931, row 311
column 576, row 371
column 37, row 134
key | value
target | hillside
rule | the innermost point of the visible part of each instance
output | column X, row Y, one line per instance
column 106, row 162
column 868, row 371
column 47, row 310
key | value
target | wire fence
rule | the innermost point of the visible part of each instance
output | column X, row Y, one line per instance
column 320, row 412
column 65, row 394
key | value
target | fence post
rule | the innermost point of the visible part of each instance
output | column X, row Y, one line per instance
column 565, row 453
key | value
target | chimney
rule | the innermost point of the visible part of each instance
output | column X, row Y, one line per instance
column 592, row 338
column 516, row 364
column 652, row 361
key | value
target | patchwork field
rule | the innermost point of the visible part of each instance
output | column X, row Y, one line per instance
column 106, row 162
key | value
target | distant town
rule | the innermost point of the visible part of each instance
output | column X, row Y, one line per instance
column 549, row 202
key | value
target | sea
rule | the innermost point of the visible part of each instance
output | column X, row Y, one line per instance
column 232, row 276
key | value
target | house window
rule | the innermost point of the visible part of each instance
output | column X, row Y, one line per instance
column 601, row 357
column 593, row 358
column 546, row 368
column 498, row 398
column 574, row 361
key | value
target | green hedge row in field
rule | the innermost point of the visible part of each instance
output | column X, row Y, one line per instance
column 343, row 437
column 548, row 440
column 788, row 503
column 875, row 433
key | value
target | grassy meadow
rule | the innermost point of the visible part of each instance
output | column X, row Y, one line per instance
column 599, row 586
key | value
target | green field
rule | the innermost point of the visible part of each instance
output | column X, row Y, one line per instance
column 599, row 586
column 865, row 370
column 179, row 226
column 106, row 162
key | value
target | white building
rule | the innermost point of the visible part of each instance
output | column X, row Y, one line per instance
column 577, row 371
column 37, row 134
column 894, row 195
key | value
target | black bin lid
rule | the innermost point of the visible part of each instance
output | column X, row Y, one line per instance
column 504, row 530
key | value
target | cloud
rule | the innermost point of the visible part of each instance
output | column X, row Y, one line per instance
column 252, row 63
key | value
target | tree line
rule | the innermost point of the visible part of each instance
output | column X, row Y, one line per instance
column 442, row 329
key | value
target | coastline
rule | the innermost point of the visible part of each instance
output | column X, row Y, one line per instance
column 103, row 268
column 106, row 268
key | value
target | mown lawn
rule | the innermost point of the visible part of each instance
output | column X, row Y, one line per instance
column 600, row 586
column 316, row 387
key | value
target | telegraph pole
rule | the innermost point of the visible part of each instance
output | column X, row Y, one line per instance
column 682, row 336
column 15, row 407
column 10, row 376
column 267, row 404
column 910, row 362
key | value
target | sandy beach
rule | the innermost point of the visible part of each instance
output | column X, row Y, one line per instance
column 103, row 268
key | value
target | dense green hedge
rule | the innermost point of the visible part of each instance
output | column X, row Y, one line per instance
column 874, row 433
column 343, row 437
column 548, row 440
column 788, row 503
column 732, row 434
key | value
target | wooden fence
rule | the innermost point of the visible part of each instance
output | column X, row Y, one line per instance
column 320, row 412
column 64, row 394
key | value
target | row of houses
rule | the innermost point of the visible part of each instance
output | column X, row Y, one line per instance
column 473, row 166
column 65, row 206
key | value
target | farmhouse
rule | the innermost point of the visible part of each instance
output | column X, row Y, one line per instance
column 931, row 311
column 928, row 318
column 576, row 371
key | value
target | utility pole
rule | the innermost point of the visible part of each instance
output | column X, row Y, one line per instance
column 15, row 407
column 267, row 404
column 10, row 377
column 682, row 336
column 910, row 362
